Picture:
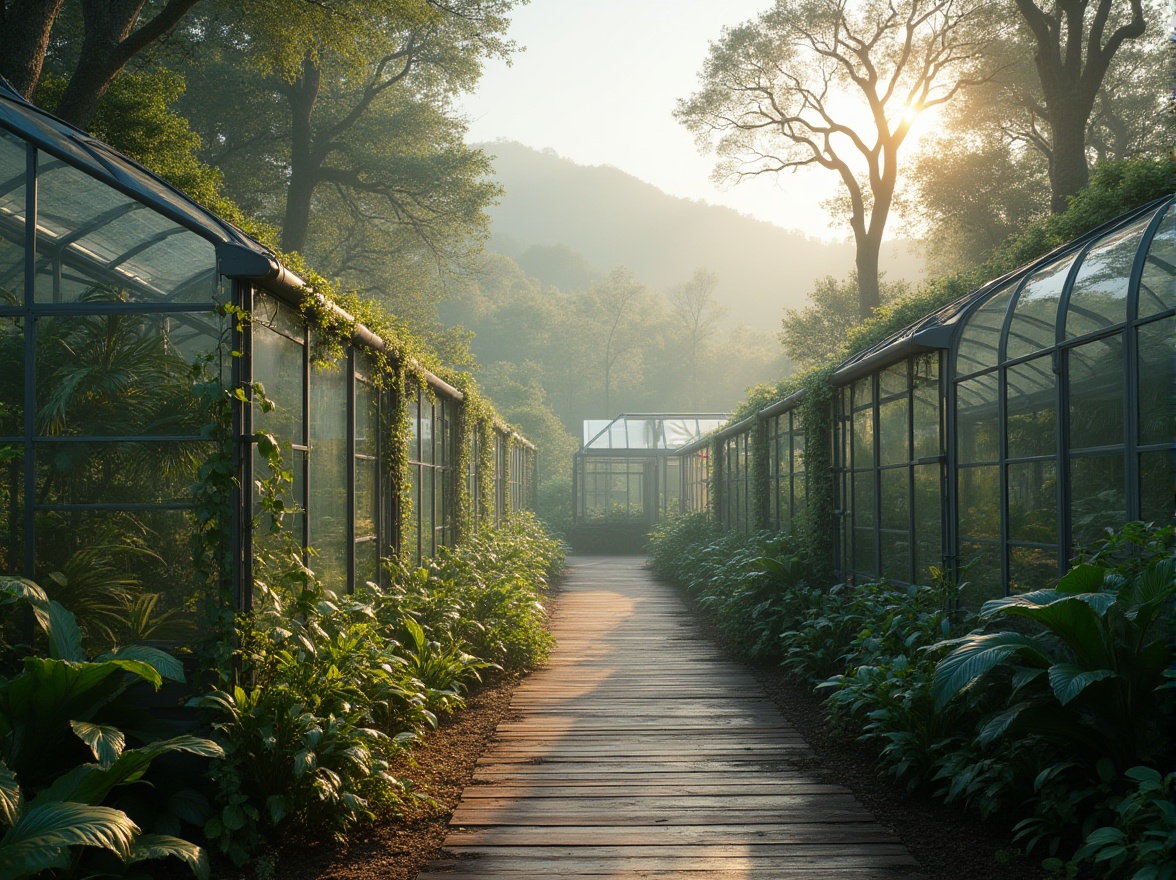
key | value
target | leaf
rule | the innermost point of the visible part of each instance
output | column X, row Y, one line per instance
column 977, row 655
column 11, row 797
column 190, row 806
column 35, row 842
column 65, row 639
column 162, row 662
column 1084, row 578
column 1068, row 680
column 158, row 846
column 275, row 806
column 105, row 741
column 996, row 726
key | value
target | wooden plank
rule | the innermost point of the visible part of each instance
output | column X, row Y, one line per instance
column 639, row 751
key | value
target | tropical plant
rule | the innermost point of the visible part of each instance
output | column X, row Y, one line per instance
column 1137, row 844
column 55, row 716
column 1090, row 679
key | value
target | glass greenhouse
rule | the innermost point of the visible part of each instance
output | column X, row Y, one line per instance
column 627, row 468
column 153, row 355
column 999, row 434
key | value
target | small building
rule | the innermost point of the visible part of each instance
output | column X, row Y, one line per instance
column 627, row 475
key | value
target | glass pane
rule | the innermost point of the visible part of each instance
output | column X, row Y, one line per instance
column 894, row 431
column 1035, row 315
column 117, row 375
column 928, row 520
column 798, row 451
column 1098, row 496
column 1033, row 502
column 798, row 494
column 926, row 402
column 329, row 462
column 428, row 431
column 863, row 498
column 1099, row 295
column 114, row 472
column 11, row 508
column 893, row 381
column 980, row 566
column 895, row 499
column 13, row 170
column 863, row 438
column 1096, row 393
column 409, row 531
column 1157, row 287
column 1030, row 408
column 92, row 236
column 979, row 502
column 896, row 556
column 102, row 565
column 976, row 419
column 1157, row 476
column 427, row 512
column 12, row 377
column 1032, row 568
column 1157, row 381
column 277, row 366
column 861, row 393
column 978, row 349
column 863, row 552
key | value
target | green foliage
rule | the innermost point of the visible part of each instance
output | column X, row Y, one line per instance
column 335, row 686
column 818, row 331
column 1138, row 842
column 72, row 738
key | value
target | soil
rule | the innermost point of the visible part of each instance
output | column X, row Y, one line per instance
column 948, row 843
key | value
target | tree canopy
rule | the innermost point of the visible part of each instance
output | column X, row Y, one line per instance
column 835, row 85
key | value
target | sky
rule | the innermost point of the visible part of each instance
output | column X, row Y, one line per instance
column 598, row 83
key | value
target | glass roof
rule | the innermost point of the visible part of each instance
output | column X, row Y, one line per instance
column 649, row 431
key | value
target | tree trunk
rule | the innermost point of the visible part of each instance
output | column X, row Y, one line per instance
column 1068, row 172
column 869, row 297
column 111, row 41
column 24, row 34
column 303, row 165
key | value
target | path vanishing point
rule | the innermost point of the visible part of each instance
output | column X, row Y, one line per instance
column 639, row 751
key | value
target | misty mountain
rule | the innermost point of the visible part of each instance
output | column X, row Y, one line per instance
column 566, row 224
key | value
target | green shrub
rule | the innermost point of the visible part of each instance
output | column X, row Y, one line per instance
column 332, row 687
column 73, row 737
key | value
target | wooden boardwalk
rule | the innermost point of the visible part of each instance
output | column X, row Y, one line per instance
column 640, row 752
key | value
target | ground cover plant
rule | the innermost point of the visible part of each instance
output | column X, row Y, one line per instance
column 1059, row 719
column 333, row 688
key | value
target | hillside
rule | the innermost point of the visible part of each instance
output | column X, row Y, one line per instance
column 603, row 217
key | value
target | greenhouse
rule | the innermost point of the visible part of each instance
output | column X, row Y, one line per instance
column 997, row 435
column 157, row 360
column 627, row 468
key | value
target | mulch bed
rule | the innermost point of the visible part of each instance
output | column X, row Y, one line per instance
column 948, row 843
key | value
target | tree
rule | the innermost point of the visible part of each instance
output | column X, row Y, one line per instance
column 818, row 331
column 1075, row 41
column 616, row 303
column 697, row 312
column 113, row 32
column 821, row 82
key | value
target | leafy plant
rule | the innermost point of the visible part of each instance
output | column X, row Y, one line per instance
column 59, row 712
column 1089, row 677
column 1138, row 842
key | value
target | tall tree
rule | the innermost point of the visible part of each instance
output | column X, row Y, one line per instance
column 836, row 85
column 697, row 312
column 25, row 26
column 1075, row 41
column 617, row 304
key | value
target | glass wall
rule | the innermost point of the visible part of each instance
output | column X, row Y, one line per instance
column 696, row 478
column 736, row 480
column 1063, row 388
column 107, row 318
column 786, row 471
column 891, row 463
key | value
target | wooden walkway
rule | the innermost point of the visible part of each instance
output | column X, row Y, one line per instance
column 640, row 752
